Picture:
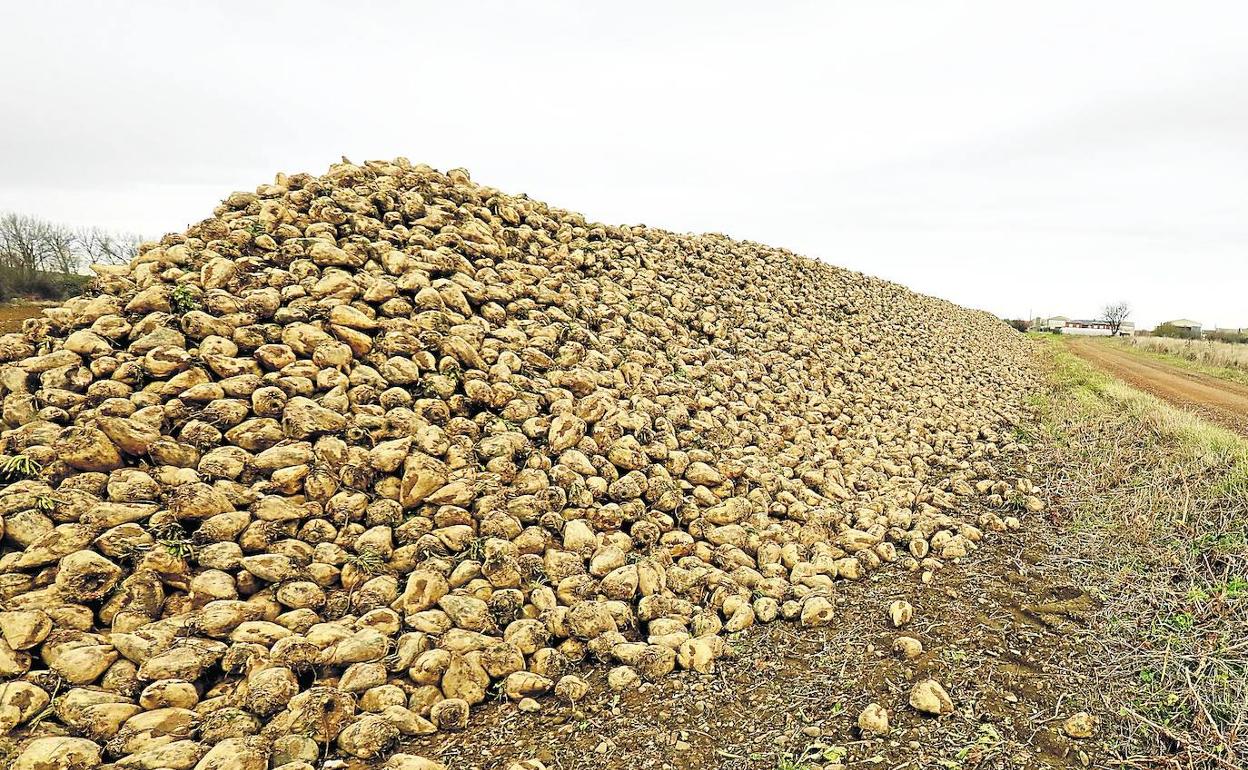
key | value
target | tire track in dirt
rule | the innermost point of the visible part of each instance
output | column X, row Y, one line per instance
column 1219, row 401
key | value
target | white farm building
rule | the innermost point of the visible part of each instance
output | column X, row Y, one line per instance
column 1087, row 328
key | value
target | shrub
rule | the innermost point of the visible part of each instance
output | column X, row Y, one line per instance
column 1233, row 337
column 39, row 284
column 1175, row 332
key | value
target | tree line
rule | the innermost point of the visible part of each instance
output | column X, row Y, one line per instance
column 45, row 259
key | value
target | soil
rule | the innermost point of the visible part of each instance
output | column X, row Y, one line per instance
column 12, row 315
column 1003, row 631
column 1220, row 401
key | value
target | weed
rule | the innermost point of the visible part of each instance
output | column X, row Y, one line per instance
column 811, row 757
column 1235, row 588
column 17, row 467
column 182, row 549
column 184, row 299
column 46, row 503
column 368, row 562
column 954, row 655
column 985, row 746
column 496, row 692
column 1182, row 621
column 475, row 550
column 174, row 539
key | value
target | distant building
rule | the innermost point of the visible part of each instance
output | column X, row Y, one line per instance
column 1083, row 327
column 1048, row 324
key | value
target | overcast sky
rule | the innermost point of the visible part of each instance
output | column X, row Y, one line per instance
column 1021, row 157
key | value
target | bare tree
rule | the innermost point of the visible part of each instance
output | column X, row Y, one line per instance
column 62, row 252
column 43, row 258
column 103, row 247
column 1116, row 315
column 29, row 243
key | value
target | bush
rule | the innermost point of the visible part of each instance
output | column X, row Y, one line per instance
column 39, row 284
column 1170, row 330
column 1235, row 338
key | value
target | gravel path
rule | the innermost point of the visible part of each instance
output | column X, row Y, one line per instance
column 1219, row 401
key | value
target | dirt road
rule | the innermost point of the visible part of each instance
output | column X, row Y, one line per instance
column 1219, row 401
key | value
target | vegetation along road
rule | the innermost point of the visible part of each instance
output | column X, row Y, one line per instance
column 1217, row 400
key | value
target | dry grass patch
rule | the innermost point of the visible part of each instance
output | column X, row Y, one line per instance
column 1155, row 506
column 1220, row 359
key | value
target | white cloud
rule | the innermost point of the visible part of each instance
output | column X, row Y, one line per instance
column 1006, row 155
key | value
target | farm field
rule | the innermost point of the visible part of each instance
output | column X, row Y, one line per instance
column 599, row 497
column 693, row 387
column 1152, row 501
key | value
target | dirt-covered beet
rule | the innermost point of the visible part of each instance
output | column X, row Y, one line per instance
column 363, row 450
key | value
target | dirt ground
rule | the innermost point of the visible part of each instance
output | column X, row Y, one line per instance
column 12, row 315
column 1219, row 401
column 1004, row 631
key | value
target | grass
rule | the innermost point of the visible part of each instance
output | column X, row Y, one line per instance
column 1154, row 502
column 16, row 467
column 811, row 757
column 1224, row 360
column 184, row 300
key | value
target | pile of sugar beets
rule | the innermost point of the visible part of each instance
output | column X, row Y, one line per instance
column 363, row 450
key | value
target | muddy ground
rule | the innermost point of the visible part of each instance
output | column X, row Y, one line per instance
column 1004, row 631
column 13, row 314
column 1219, row 401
